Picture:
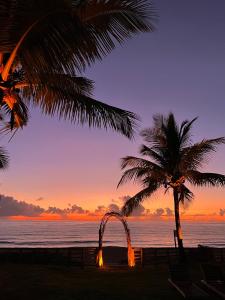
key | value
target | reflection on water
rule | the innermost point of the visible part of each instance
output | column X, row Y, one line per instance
column 72, row 234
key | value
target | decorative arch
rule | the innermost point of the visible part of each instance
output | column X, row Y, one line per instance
column 130, row 251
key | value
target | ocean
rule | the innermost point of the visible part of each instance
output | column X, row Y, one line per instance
column 84, row 234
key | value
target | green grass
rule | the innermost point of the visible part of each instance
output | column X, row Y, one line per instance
column 67, row 283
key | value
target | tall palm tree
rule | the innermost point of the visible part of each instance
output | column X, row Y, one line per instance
column 44, row 47
column 172, row 161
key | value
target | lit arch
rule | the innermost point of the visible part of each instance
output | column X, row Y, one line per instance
column 130, row 251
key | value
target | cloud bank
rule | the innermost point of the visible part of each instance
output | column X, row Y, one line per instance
column 10, row 207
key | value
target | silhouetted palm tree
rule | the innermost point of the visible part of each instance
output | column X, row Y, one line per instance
column 174, row 161
column 44, row 47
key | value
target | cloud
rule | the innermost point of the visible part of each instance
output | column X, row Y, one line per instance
column 114, row 207
column 101, row 209
column 40, row 199
column 75, row 209
column 139, row 211
column 55, row 210
column 158, row 212
column 72, row 209
column 222, row 212
column 11, row 207
column 169, row 212
column 115, row 201
column 124, row 198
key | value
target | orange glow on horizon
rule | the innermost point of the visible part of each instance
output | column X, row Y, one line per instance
column 86, row 217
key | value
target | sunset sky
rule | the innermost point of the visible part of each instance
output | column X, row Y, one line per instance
column 179, row 68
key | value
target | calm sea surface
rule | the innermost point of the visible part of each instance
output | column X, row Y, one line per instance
column 72, row 234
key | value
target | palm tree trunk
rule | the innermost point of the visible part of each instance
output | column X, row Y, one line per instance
column 1, row 62
column 1, row 57
column 178, row 226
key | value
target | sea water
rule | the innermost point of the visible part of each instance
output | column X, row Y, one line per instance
column 85, row 234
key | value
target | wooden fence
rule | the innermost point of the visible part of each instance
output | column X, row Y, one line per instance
column 86, row 256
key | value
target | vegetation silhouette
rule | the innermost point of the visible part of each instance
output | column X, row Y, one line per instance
column 46, row 45
column 172, row 160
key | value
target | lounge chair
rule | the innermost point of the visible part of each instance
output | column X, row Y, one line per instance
column 180, row 279
column 214, row 279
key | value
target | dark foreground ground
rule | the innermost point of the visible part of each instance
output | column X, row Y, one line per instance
column 45, row 282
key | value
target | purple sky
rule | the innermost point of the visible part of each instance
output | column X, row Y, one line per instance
column 178, row 68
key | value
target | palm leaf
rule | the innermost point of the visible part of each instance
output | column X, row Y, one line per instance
column 16, row 109
column 185, row 194
column 184, row 133
column 115, row 20
column 67, row 97
column 67, row 36
column 133, row 174
column 201, row 179
column 4, row 159
column 144, row 150
column 131, row 161
column 134, row 201
column 194, row 156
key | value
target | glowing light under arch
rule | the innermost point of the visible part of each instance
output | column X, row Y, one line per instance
column 130, row 250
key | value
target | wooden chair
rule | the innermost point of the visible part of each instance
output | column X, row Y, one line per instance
column 180, row 279
column 214, row 279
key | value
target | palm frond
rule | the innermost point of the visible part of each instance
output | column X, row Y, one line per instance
column 16, row 109
column 134, row 201
column 133, row 174
column 185, row 194
column 114, row 20
column 132, row 161
column 204, row 179
column 4, row 158
column 68, row 36
column 144, row 150
column 67, row 84
column 194, row 156
column 67, row 97
column 184, row 133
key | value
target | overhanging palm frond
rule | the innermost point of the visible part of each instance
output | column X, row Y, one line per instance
column 114, row 20
column 68, row 98
column 67, row 84
column 18, row 15
column 4, row 159
column 65, row 35
column 16, row 109
column 194, row 156
column 58, row 36
column 201, row 179
column 134, row 201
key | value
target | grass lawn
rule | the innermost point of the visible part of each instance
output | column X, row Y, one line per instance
column 66, row 283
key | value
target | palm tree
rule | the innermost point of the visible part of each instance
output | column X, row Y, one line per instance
column 46, row 45
column 173, row 161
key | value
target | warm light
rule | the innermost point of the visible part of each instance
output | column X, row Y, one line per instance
column 99, row 259
column 131, row 258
